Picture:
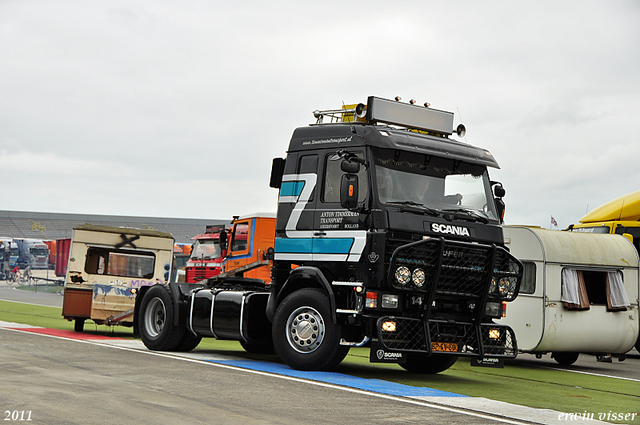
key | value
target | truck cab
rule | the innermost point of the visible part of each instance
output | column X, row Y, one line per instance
column 206, row 256
column 401, row 225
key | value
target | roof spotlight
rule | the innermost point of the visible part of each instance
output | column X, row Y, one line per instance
column 461, row 130
column 361, row 110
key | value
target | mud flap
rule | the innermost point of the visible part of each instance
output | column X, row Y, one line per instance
column 379, row 354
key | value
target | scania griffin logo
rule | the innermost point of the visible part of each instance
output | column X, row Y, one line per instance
column 452, row 230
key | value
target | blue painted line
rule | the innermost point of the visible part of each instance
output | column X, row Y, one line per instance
column 373, row 385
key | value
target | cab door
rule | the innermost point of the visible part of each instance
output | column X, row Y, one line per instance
column 339, row 234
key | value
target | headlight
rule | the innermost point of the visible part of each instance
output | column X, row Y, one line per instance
column 389, row 301
column 403, row 275
column 493, row 309
column 418, row 277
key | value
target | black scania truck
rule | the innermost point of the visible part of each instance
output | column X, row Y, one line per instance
column 388, row 235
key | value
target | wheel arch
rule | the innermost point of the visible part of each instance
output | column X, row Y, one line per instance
column 302, row 277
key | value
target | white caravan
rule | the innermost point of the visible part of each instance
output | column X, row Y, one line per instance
column 579, row 293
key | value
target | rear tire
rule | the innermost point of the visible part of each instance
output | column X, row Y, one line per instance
column 304, row 336
column 155, row 321
column 423, row 364
column 565, row 358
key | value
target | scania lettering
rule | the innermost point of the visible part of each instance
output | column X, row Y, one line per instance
column 453, row 230
column 387, row 233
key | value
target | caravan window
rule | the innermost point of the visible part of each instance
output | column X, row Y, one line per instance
column 528, row 285
column 113, row 262
column 581, row 288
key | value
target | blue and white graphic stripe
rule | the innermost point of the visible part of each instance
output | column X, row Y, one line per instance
column 313, row 245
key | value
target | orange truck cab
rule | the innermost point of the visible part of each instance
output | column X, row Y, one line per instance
column 250, row 246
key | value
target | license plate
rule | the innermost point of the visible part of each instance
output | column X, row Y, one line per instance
column 444, row 346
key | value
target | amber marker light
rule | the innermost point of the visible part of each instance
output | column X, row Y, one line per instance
column 389, row 326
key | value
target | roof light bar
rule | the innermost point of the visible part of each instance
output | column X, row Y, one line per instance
column 409, row 115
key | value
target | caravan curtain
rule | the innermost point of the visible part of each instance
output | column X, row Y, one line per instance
column 574, row 290
column 617, row 298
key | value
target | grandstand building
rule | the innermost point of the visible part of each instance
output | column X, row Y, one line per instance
column 52, row 226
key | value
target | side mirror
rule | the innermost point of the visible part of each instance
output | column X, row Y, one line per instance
column 223, row 240
column 349, row 191
column 351, row 167
column 499, row 191
column 277, row 171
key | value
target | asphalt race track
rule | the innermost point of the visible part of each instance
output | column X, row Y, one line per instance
column 61, row 381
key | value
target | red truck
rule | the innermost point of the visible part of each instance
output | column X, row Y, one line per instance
column 206, row 256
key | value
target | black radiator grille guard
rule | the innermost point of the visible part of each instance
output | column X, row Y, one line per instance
column 460, row 271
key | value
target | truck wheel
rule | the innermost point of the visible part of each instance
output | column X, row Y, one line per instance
column 253, row 348
column 304, row 336
column 155, row 320
column 78, row 325
column 421, row 363
column 565, row 358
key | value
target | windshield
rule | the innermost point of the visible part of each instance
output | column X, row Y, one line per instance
column 207, row 249
column 445, row 185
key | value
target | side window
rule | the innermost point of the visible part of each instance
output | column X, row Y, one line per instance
column 112, row 262
column 332, row 177
column 633, row 231
column 528, row 285
column 239, row 237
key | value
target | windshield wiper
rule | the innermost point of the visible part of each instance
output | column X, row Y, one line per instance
column 468, row 214
column 420, row 207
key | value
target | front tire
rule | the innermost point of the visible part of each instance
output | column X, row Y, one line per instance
column 423, row 364
column 304, row 336
column 155, row 320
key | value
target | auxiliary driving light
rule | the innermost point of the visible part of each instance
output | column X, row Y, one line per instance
column 418, row 277
column 403, row 275
column 494, row 333
column 389, row 326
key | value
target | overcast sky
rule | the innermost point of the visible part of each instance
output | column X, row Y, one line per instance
column 176, row 108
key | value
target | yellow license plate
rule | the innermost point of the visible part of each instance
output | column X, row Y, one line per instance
column 444, row 346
